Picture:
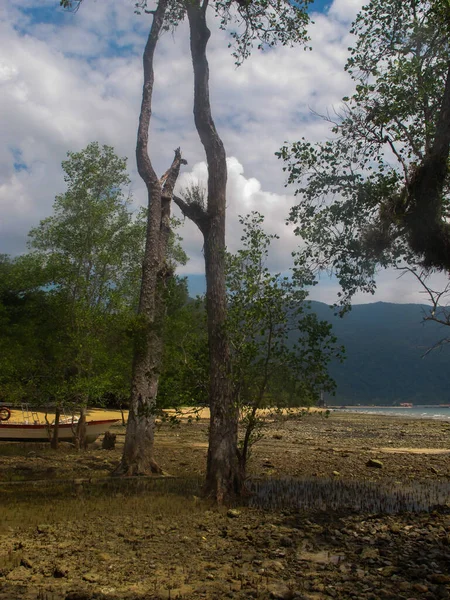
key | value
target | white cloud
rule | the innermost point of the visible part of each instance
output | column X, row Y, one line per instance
column 75, row 78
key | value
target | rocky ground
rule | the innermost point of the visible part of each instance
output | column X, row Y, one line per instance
column 136, row 540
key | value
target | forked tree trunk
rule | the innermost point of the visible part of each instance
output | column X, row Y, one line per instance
column 138, row 453
column 223, row 475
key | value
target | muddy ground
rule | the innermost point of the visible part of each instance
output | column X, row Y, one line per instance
column 90, row 537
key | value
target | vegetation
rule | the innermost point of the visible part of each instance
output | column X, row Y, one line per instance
column 280, row 350
column 68, row 307
column 376, row 193
column 67, row 304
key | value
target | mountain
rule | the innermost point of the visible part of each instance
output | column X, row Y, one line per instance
column 385, row 347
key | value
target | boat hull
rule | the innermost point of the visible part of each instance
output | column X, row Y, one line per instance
column 19, row 432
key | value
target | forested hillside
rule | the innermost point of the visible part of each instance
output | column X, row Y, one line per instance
column 385, row 346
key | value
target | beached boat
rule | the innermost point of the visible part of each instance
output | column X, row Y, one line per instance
column 35, row 431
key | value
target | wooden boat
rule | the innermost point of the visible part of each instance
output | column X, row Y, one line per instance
column 42, row 432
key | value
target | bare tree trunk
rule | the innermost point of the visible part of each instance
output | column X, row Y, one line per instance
column 223, row 475
column 80, row 434
column 55, row 437
column 138, row 458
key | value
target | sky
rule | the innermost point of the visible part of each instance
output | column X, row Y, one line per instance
column 69, row 79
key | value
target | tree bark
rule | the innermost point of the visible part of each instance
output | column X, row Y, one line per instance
column 54, row 444
column 80, row 432
column 223, row 475
column 138, row 453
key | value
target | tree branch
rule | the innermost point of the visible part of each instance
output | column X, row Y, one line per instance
column 194, row 212
column 144, row 165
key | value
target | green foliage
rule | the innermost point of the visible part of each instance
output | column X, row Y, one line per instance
column 67, row 305
column 249, row 23
column 68, row 321
column 33, row 338
column 184, row 377
column 91, row 247
column 266, row 311
column 280, row 349
column 354, row 189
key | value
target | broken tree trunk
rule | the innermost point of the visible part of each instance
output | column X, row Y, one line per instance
column 138, row 453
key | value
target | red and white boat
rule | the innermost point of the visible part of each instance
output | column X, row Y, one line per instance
column 31, row 430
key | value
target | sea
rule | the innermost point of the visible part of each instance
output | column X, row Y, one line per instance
column 418, row 412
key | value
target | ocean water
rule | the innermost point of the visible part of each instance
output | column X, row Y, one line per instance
column 417, row 412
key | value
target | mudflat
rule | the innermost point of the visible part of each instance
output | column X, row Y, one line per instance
column 68, row 530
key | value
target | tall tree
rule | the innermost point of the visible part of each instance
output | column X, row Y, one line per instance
column 137, row 458
column 266, row 23
column 377, row 193
column 91, row 245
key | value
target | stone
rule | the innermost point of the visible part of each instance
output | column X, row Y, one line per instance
column 440, row 578
column 279, row 592
column 375, row 464
column 109, row 441
column 60, row 571
column 370, row 553
column 19, row 574
column 26, row 562
column 91, row 577
column 233, row 513
column 286, row 541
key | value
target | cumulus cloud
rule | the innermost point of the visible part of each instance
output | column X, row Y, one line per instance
column 69, row 79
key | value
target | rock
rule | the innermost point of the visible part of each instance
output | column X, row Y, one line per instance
column 388, row 571
column 277, row 436
column 335, row 473
column 279, row 592
column 375, row 464
column 26, row 562
column 403, row 586
column 370, row 553
column 286, row 541
column 418, row 587
column 233, row 513
column 104, row 556
column 109, row 441
column 60, row 571
column 439, row 578
column 19, row 574
column 91, row 577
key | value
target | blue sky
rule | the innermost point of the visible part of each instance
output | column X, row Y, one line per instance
column 69, row 79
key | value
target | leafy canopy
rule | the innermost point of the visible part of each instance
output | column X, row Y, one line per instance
column 280, row 349
column 358, row 190
column 264, row 23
